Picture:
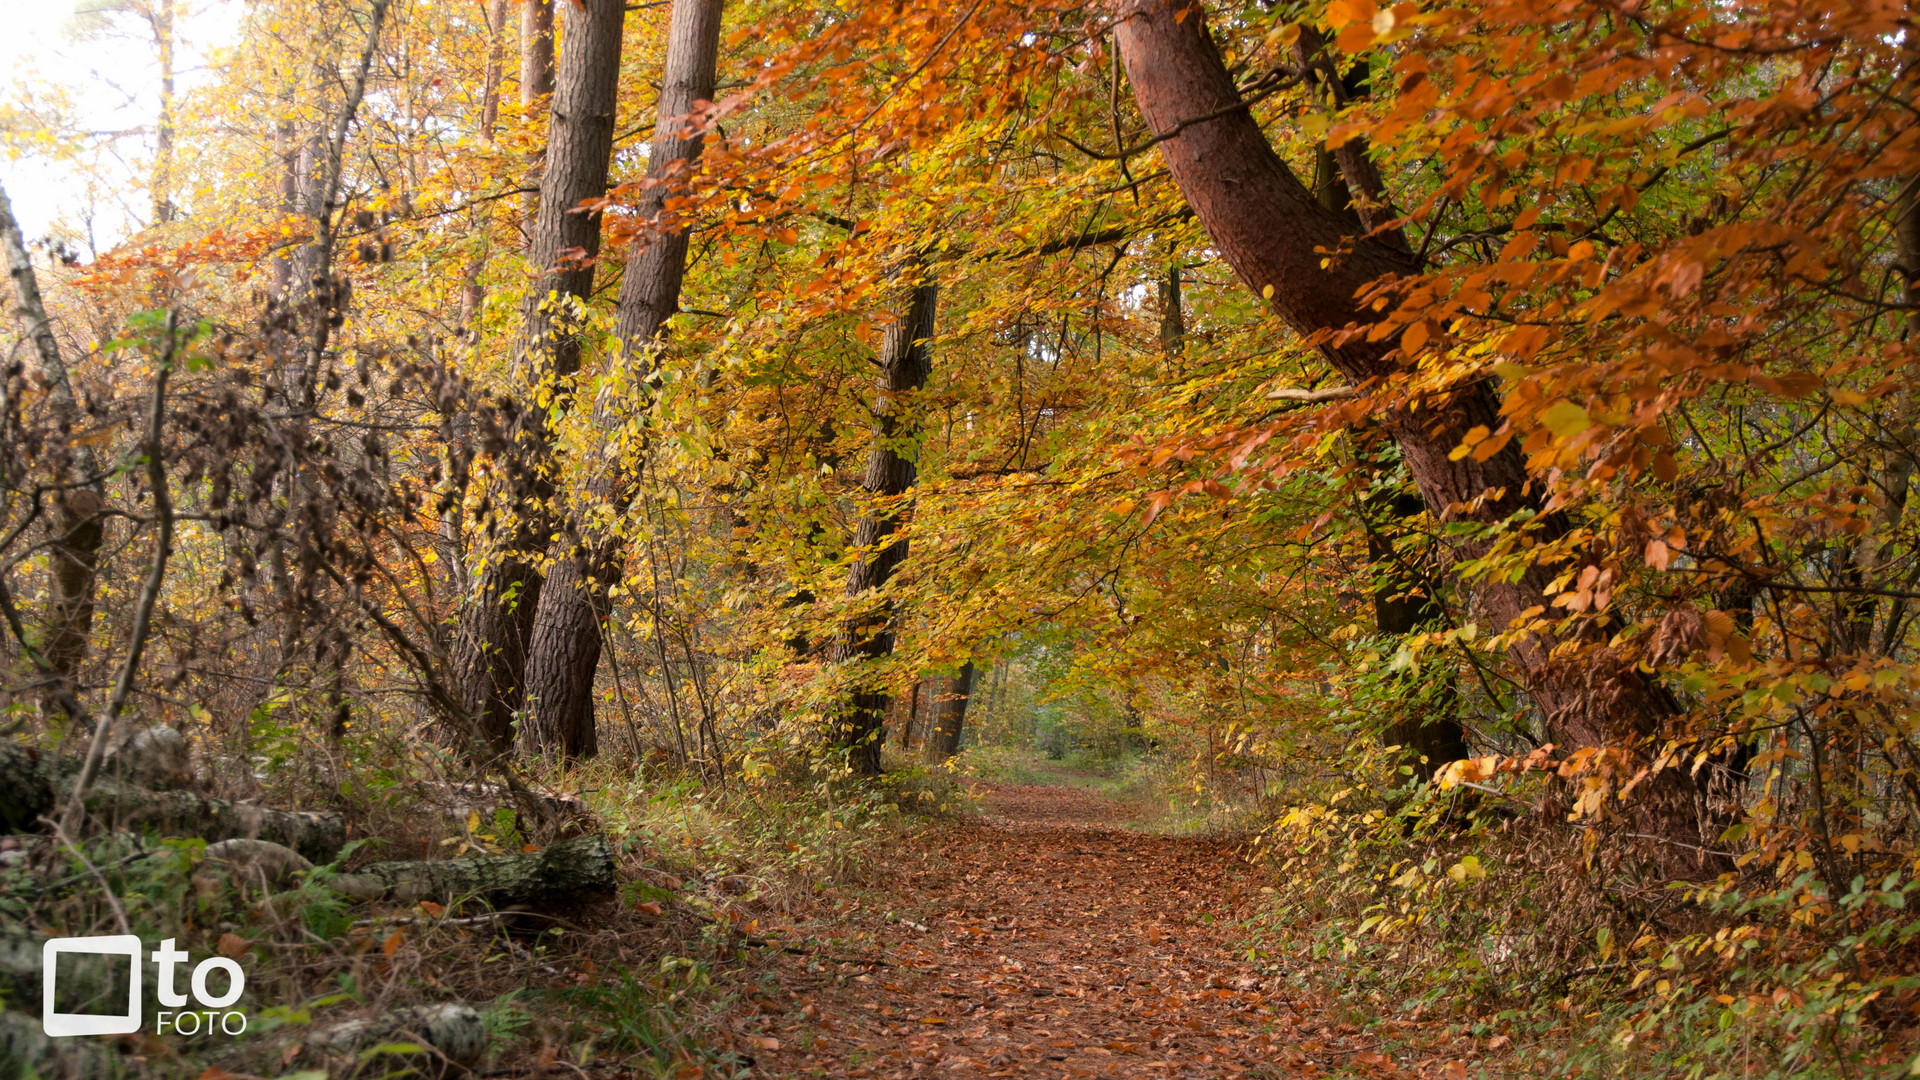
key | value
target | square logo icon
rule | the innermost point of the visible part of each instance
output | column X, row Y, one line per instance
column 56, row 1023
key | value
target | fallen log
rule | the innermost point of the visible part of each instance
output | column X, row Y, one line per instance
column 580, row 866
column 271, row 865
column 430, row 1039
column 33, row 783
column 114, row 805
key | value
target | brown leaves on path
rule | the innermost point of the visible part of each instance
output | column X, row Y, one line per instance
column 1042, row 940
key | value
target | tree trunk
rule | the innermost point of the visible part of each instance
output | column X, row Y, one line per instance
column 78, row 526
column 906, row 359
column 536, row 85
column 950, row 713
column 160, row 18
column 1173, row 318
column 490, row 648
column 574, row 603
column 566, row 870
column 1271, row 230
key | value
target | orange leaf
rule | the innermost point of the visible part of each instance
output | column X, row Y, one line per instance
column 432, row 909
column 1658, row 554
column 391, row 945
column 233, row 945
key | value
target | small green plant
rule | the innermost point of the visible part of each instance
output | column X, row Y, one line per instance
column 642, row 1020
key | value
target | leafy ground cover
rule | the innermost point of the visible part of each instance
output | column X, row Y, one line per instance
column 1049, row 936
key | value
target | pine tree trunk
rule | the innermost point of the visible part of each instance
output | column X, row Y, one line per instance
column 574, row 605
column 490, row 647
column 906, row 359
column 1271, row 230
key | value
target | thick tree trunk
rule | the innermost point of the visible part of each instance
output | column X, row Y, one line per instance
column 950, row 713
column 78, row 526
column 1271, row 230
column 906, row 359
column 490, row 647
column 574, row 605
column 656, row 265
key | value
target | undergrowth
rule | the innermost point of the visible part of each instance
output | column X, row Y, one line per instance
column 626, row 980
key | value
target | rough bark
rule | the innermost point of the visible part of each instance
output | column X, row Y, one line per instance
column 77, row 528
column 906, row 359
column 578, row 867
column 950, row 713
column 1271, row 230
column 656, row 265
column 565, row 655
column 491, row 644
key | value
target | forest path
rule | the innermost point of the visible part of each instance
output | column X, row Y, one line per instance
column 1041, row 939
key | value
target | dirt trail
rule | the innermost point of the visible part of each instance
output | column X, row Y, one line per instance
column 1055, row 943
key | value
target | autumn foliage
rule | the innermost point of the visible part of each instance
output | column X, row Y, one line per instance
column 1473, row 440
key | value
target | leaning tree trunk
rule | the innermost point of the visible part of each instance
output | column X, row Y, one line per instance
column 490, row 647
column 574, row 604
column 950, row 713
column 1271, row 230
column 78, row 524
column 906, row 359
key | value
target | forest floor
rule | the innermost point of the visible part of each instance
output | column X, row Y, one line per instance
column 1042, row 938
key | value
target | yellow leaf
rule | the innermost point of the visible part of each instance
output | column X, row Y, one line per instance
column 1565, row 419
